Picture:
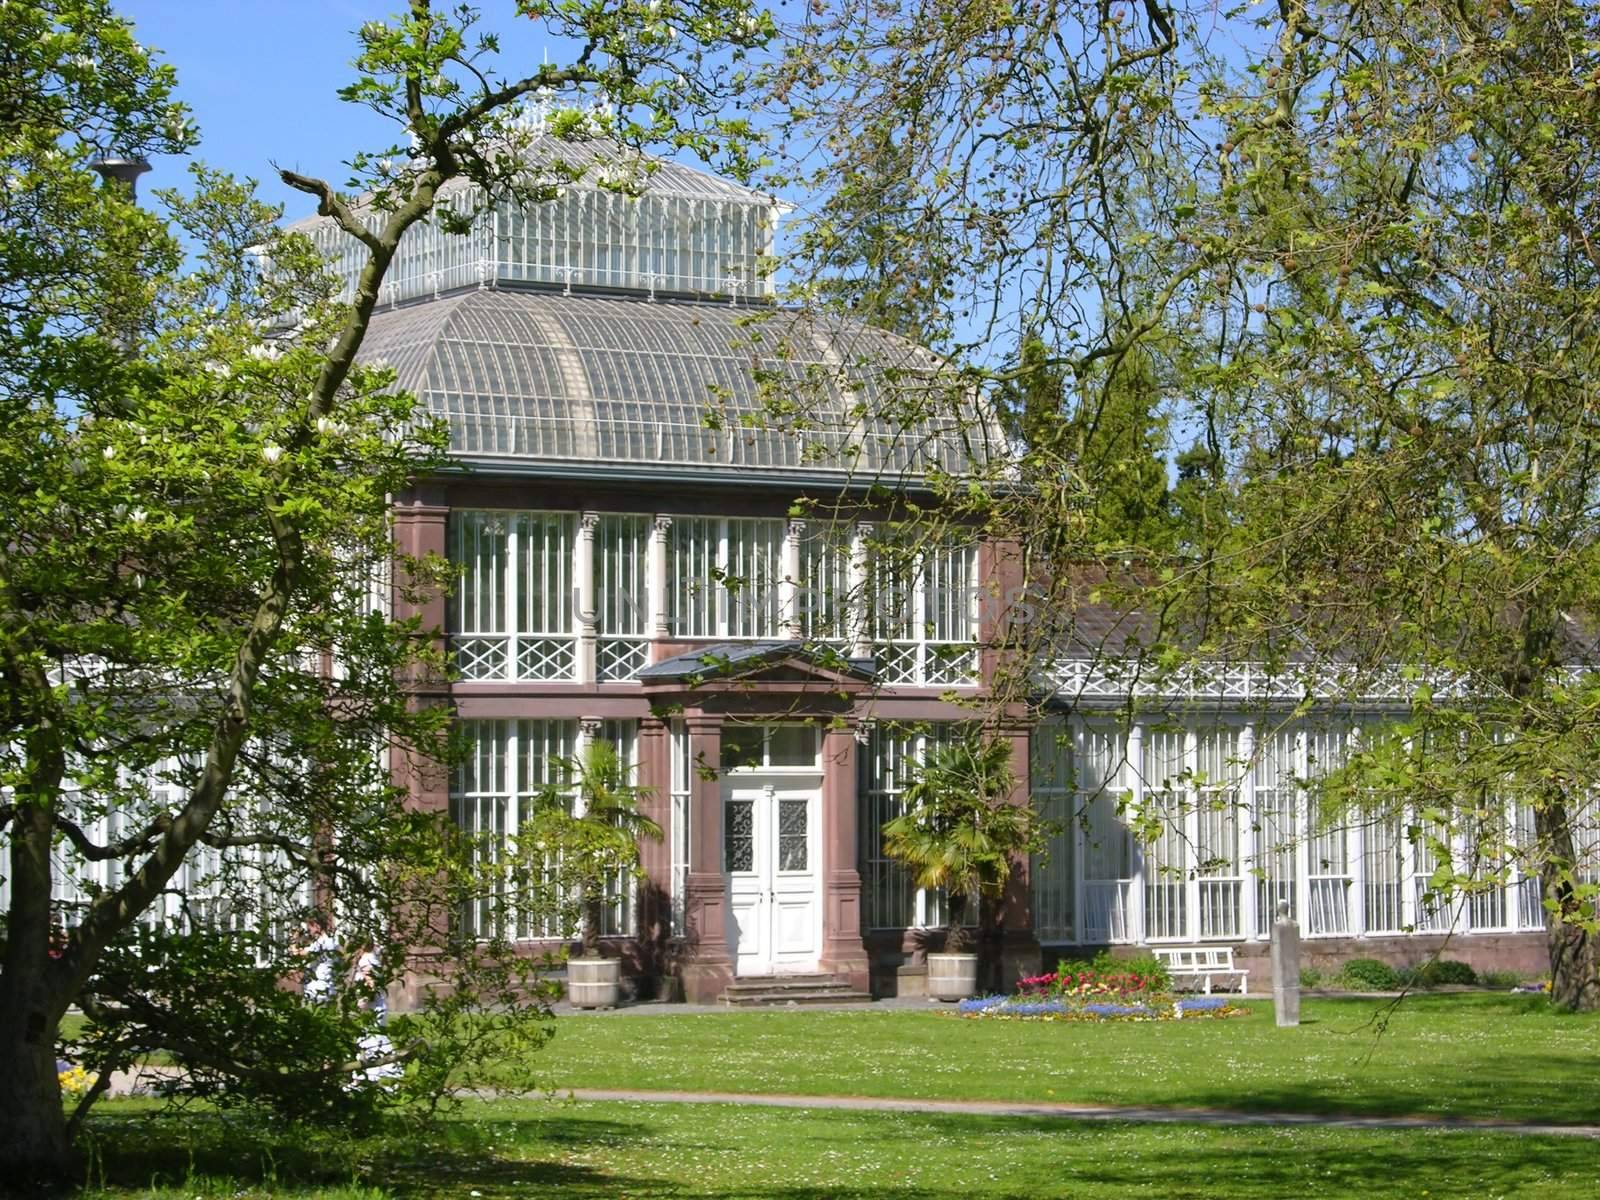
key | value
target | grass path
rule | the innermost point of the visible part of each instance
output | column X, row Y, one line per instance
column 1146, row 1115
column 1497, row 1057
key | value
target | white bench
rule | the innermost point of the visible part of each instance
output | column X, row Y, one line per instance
column 1200, row 963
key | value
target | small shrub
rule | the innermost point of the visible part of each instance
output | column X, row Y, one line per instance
column 1371, row 974
column 1147, row 966
column 1499, row 980
column 1310, row 977
column 1446, row 971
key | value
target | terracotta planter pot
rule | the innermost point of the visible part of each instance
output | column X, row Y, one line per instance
column 952, row 976
column 594, row 982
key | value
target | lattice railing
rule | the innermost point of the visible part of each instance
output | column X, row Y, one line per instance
column 1116, row 679
column 934, row 664
column 621, row 658
column 480, row 658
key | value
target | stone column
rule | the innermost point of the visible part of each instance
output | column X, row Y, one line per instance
column 421, row 523
column 1019, row 948
column 1285, row 967
column 843, row 953
column 660, row 529
column 654, row 773
column 583, row 568
column 708, row 966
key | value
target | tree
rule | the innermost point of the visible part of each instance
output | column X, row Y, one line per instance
column 194, row 526
column 1354, row 244
column 962, row 829
column 594, row 817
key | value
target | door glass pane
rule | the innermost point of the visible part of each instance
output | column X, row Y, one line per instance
column 793, row 746
column 738, row 835
column 792, row 835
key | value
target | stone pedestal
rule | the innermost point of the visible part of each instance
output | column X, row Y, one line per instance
column 1285, row 967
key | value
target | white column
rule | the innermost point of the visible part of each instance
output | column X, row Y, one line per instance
column 1302, row 836
column 1460, row 902
column 1355, row 845
column 660, row 529
column 1080, row 892
column 1248, row 829
column 583, row 568
column 859, row 601
column 1133, row 778
column 1191, row 833
column 588, row 734
column 789, row 615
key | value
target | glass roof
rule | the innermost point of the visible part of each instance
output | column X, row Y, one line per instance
column 689, row 233
column 537, row 376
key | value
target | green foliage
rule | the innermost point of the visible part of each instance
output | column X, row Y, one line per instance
column 1106, row 962
column 962, row 828
column 1442, row 972
column 1365, row 303
column 195, row 489
column 1369, row 974
column 1310, row 977
column 586, row 831
column 1499, row 981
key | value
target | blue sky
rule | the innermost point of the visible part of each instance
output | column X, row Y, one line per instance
column 260, row 78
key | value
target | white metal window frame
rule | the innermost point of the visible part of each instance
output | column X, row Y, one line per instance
column 922, row 613
column 766, row 765
column 725, row 575
column 889, row 755
column 679, row 831
column 509, row 762
column 1193, row 779
column 511, row 612
column 622, row 594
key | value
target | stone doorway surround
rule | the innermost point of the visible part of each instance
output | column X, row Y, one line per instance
column 775, row 682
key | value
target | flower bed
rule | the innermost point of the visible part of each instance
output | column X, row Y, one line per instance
column 1090, row 995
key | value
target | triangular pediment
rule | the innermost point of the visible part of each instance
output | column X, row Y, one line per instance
column 782, row 665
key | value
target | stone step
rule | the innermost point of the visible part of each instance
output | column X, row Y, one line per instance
column 785, row 999
column 781, row 991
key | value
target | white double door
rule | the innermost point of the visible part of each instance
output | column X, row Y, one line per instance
column 769, row 854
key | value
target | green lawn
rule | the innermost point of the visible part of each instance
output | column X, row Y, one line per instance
column 589, row 1151
column 1475, row 1055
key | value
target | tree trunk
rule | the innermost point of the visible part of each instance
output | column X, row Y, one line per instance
column 591, row 926
column 1574, row 966
column 1568, row 922
column 35, row 1155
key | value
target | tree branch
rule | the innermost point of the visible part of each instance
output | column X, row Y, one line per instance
column 330, row 205
column 132, row 844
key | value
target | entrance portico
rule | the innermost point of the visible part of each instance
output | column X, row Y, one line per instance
column 772, row 883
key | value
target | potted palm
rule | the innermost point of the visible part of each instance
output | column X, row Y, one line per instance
column 592, row 822
column 960, row 831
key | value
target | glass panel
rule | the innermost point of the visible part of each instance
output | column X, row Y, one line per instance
column 792, row 840
column 1167, row 855
column 738, row 836
column 741, row 746
column 1276, row 792
column 792, row 746
column 1051, row 873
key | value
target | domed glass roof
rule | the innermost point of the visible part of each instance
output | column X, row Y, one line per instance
column 534, row 379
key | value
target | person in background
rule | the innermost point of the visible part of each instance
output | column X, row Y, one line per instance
column 317, row 980
column 367, row 982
